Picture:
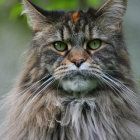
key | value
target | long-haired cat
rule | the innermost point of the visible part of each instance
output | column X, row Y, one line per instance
column 77, row 82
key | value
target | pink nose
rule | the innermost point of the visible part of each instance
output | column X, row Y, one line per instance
column 78, row 62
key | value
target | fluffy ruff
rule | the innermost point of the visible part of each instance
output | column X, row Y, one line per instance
column 51, row 117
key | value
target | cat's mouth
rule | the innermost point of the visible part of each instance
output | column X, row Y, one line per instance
column 79, row 84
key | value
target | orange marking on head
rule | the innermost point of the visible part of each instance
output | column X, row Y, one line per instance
column 75, row 16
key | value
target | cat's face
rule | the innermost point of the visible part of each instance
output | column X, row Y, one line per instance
column 70, row 52
column 78, row 47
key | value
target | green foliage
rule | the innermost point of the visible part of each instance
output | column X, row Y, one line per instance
column 2, row 1
column 14, row 7
column 15, row 11
column 94, row 3
column 65, row 5
column 71, row 4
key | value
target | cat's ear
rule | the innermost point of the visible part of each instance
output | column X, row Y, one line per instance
column 112, row 12
column 36, row 15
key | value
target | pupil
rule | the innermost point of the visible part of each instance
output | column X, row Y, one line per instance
column 61, row 46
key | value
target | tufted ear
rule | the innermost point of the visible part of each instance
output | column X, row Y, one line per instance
column 112, row 12
column 35, row 14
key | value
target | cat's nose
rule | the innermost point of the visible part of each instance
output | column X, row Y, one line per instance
column 78, row 62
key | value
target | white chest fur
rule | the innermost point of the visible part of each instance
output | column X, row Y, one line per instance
column 79, row 86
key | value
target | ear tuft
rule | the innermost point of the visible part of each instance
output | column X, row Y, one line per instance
column 35, row 15
column 112, row 12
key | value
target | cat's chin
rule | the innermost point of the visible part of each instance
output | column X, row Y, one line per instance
column 78, row 86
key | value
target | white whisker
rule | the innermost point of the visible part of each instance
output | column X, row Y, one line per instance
column 34, row 84
column 35, row 96
column 46, row 86
column 43, row 84
column 123, row 89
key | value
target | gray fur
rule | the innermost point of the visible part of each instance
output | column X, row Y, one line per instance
column 40, row 108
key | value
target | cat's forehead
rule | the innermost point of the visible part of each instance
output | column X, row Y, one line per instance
column 77, row 16
column 78, row 19
column 74, row 22
column 72, row 26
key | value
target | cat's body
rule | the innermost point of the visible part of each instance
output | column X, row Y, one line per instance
column 77, row 83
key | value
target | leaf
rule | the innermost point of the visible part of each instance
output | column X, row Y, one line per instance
column 62, row 5
column 94, row 3
column 15, row 11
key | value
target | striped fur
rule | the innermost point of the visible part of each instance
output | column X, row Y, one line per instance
column 55, row 100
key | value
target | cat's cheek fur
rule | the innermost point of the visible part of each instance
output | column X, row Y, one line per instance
column 79, row 87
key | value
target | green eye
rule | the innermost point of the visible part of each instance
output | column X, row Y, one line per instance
column 94, row 44
column 60, row 46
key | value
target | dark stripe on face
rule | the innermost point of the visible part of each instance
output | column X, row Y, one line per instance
column 62, row 34
column 51, row 56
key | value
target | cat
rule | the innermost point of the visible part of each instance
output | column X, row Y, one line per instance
column 77, row 83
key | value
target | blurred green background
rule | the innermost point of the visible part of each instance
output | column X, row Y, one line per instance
column 15, row 35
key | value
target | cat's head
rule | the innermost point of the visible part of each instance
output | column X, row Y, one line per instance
column 79, row 48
